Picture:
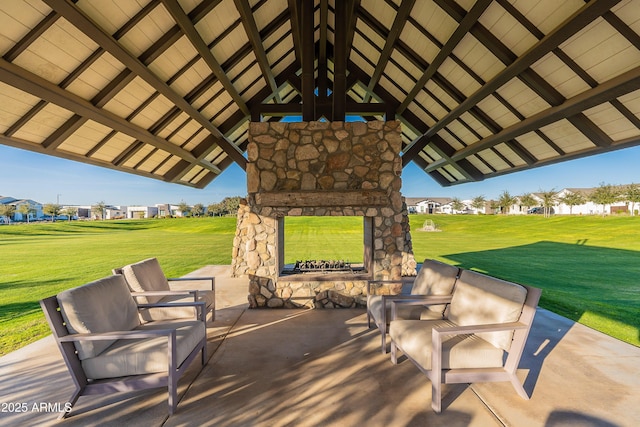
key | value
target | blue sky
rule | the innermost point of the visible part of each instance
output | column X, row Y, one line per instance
column 48, row 179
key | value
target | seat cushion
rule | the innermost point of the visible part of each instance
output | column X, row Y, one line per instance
column 414, row 337
column 163, row 313
column 104, row 305
column 145, row 276
column 480, row 299
column 435, row 278
column 147, row 355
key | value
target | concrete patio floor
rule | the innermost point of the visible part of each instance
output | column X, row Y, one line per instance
column 324, row 368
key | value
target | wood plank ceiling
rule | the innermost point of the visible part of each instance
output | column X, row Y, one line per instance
column 166, row 88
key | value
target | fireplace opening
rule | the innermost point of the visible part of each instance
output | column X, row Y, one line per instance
column 325, row 245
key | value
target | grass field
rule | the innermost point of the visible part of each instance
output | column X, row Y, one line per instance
column 587, row 266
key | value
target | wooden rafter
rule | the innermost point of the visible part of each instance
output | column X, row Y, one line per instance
column 580, row 19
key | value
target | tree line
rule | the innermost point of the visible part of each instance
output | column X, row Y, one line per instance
column 228, row 206
column 604, row 194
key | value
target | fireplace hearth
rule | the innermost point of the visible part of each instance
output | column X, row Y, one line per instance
column 322, row 169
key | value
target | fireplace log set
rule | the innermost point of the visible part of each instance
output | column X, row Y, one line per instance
column 321, row 265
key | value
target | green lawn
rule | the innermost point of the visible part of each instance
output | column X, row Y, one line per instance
column 39, row 260
column 587, row 266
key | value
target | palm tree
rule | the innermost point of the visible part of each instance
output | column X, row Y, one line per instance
column 549, row 199
column 478, row 202
column 604, row 195
column 99, row 209
column 572, row 199
column 505, row 201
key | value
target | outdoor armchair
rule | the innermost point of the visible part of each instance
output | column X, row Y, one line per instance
column 146, row 278
column 107, row 349
column 486, row 318
column 434, row 278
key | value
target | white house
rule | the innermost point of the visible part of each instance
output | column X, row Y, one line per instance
column 135, row 212
column 432, row 205
column 589, row 207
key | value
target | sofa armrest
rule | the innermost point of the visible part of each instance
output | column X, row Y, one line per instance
column 400, row 282
column 418, row 300
column 477, row 329
column 193, row 279
column 193, row 292
column 117, row 335
column 199, row 305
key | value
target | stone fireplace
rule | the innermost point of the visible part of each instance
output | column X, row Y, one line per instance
column 322, row 169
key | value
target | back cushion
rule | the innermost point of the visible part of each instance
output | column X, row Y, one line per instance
column 435, row 278
column 144, row 276
column 480, row 299
column 104, row 305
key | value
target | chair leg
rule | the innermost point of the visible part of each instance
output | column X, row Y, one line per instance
column 436, row 396
column 173, row 392
column 72, row 401
column 383, row 333
column 517, row 385
column 394, row 353
column 368, row 319
column 435, row 374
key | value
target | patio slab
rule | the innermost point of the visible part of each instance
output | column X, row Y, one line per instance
column 276, row 367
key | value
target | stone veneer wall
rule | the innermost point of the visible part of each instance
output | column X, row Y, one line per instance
column 320, row 169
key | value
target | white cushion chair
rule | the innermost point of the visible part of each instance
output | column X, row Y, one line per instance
column 486, row 318
column 106, row 347
column 435, row 278
column 148, row 284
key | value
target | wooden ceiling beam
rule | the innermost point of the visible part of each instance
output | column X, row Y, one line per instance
column 251, row 28
column 340, row 58
column 37, row 86
column 589, row 12
column 614, row 88
column 463, row 28
column 70, row 12
column 308, row 60
column 399, row 22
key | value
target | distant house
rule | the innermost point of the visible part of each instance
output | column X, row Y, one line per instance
column 589, row 207
column 135, row 212
column 432, row 205
column 116, row 212
column 35, row 214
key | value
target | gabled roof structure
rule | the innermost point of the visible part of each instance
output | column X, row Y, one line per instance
column 166, row 88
